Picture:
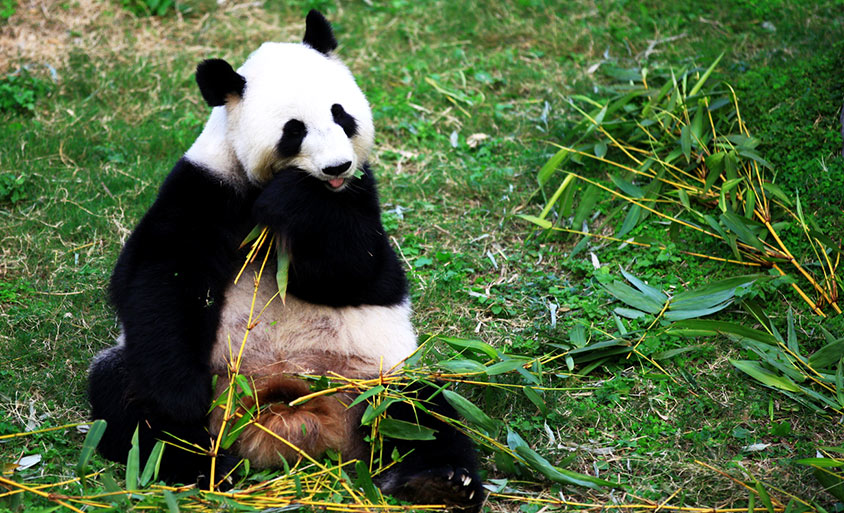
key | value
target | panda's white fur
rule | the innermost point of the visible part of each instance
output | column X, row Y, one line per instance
column 366, row 340
column 285, row 81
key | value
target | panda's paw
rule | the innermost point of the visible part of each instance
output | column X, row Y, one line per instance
column 456, row 487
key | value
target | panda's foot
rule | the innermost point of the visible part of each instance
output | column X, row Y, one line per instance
column 456, row 487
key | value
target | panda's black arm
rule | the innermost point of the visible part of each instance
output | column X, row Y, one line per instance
column 340, row 254
column 168, row 288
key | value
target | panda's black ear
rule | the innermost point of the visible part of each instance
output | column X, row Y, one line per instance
column 318, row 33
column 217, row 80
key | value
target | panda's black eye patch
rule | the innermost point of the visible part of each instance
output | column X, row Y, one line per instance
column 291, row 138
column 344, row 119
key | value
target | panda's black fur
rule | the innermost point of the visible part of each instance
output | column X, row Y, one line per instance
column 170, row 287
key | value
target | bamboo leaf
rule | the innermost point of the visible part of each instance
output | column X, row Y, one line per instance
column 652, row 292
column 828, row 355
column 765, row 498
column 739, row 227
column 686, row 142
column 839, row 383
column 372, row 412
column 89, row 446
column 153, row 464
column 600, row 149
column 463, row 366
column 366, row 395
column 282, row 271
column 171, row 502
column 470, row 412
column 550, row 166
column 632, row 297
column 534, row 397
column 403, row 430
column 538, row 221
column 364, row 481
column 503, row 367
column 133, row 463
column 252, row 235
column 472, row 345
column 765, row 376
column 820, row 462
column 696, row 88
column 627, row 187
column 558, row 475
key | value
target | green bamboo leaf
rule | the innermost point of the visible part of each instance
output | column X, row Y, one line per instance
column 764, row 497
column 696, row 88
column 470, row 412
column 820, row 462
column 503, row 367
column 686, row 142
column 839, row 383
column 627, row 188
column 725, row 189
column 577, row 336
column 752, row 155
column 588, row 199
column 652, row 292
column 632, row 297
column 629, row 313
column 600, row 149
column 738, row 226
column 777, row 192
column 630, row 221
column 792, row 334
column 472, row 345
column 171, row 502
column 252, row 235
column 133, row 463
column 366, row 395
column 463, row 366
column 765, row 376
column 534, row 397
column 538, row 221
column 550, row 166
column 715, row 163
column 684, row 198
column 701, row 328
column 403, row 430
column 564, row 186
column 558, row 475
column 828, row 355
column 679, row 315
column 234, row 430
column 832, row 483
column 282, row 271
column 89, row 446
column 750, row 203
column 364, row 481
column 153, row 464
column 372, row 412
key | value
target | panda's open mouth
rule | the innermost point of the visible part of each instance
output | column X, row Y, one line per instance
column 336, row 183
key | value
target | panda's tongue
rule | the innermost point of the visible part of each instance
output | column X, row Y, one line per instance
column 336, row 183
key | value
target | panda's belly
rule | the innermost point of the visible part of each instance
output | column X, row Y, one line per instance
column 301, row 337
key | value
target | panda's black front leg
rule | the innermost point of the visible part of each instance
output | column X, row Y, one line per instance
column 339, row 253
column 444, row 470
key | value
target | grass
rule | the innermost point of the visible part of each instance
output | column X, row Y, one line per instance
column 82, row 154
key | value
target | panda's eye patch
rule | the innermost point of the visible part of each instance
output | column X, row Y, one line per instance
column 344, row 119
column 291, row 138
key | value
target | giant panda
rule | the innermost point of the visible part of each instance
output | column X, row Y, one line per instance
column 286, row 146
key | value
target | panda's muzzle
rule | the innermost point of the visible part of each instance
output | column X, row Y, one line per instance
column 336, row 171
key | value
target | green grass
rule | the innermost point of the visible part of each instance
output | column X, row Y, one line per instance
column 81, row 160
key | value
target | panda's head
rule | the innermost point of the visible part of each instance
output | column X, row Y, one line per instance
column 289, row 105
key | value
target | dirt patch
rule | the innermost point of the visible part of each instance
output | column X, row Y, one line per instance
column 43, row 33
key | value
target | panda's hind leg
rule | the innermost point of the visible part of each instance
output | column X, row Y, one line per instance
column 109, row 392
column 440, row 471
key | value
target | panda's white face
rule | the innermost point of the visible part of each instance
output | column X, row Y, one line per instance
column 299, row 108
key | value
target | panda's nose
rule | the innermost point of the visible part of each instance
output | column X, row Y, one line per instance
column 337, row 170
